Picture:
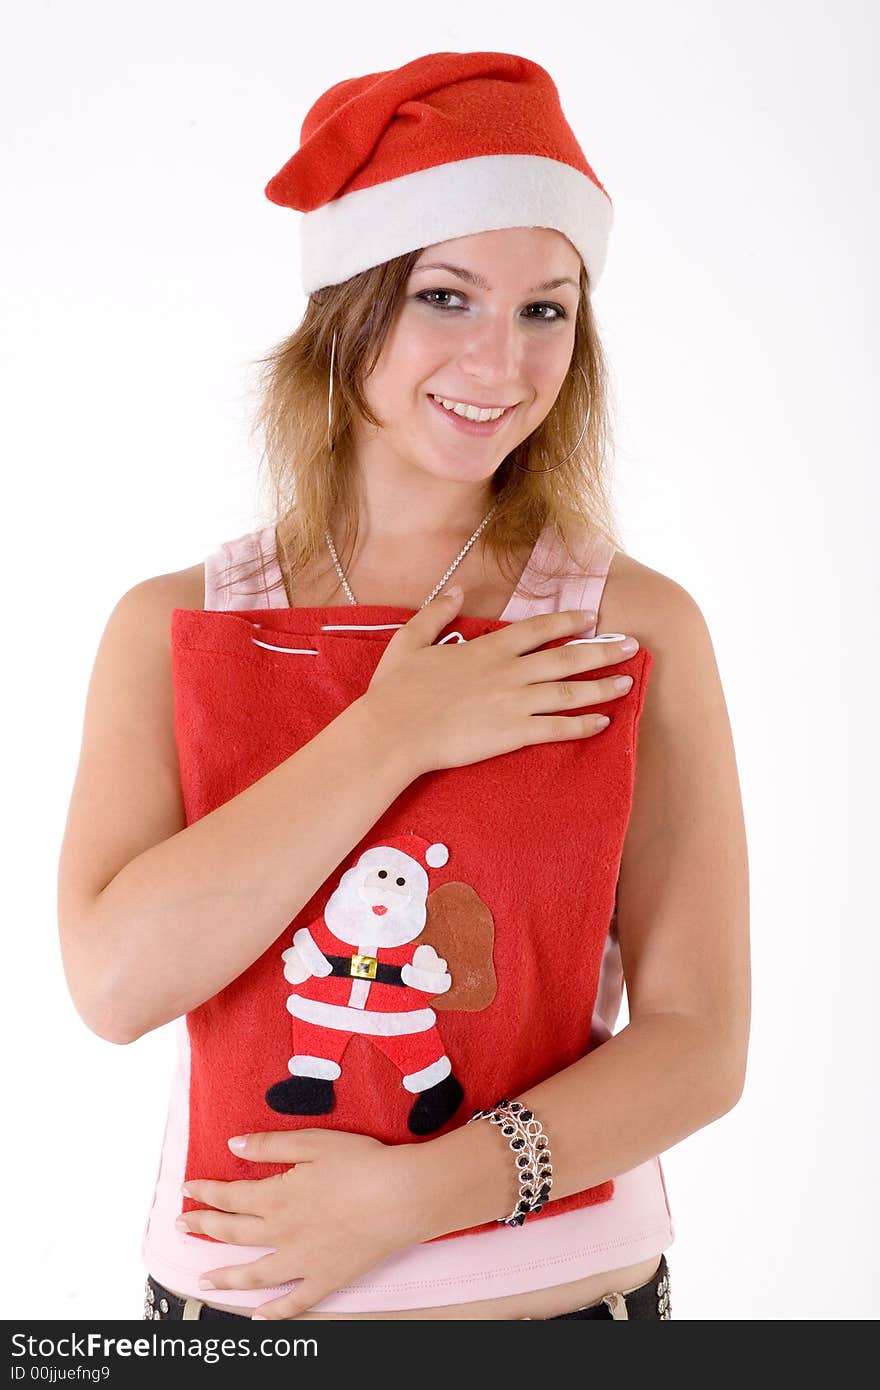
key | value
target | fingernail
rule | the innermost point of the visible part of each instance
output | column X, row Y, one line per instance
column 186, row 1192
column 258, row 1317
column 237, row 1142
column 181, row 1224
column 206, row 1284
column 453, row 591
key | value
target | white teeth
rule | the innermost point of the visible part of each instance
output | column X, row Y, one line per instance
column 470, row 412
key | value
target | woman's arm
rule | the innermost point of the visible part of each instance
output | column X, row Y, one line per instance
column 683, row 922
column 156, row 916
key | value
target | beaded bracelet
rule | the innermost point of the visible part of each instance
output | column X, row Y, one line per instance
column 526, row 1137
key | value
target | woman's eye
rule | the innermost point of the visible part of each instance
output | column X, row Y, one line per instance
column 425, row 295
column 557, row 310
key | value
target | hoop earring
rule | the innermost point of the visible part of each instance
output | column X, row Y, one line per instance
column 330, row 444
column 579, row 438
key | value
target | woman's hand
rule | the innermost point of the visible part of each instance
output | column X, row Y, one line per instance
column 457, row 703
column 337, row 1213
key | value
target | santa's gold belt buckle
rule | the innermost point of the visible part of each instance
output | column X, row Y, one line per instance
column 364, row 967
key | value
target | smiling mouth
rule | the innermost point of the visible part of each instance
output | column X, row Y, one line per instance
column 464, row 424
column 470, row 405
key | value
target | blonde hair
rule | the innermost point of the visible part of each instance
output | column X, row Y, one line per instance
column 311, row 487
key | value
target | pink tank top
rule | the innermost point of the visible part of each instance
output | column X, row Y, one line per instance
column 633, row 1225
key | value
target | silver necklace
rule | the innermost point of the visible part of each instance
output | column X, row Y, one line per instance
column 437, row 587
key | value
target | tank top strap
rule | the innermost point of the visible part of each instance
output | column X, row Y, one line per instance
column 581, row 590
column 585, row 590
column 226, row 570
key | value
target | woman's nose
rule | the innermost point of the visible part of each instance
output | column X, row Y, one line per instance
column 491, row 356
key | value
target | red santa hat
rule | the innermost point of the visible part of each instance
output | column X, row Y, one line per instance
column 409, row 845
column 444, row 146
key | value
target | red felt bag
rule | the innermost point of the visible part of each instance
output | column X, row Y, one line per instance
column 453, row 955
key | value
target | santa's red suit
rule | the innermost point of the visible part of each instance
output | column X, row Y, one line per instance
column 369, row 989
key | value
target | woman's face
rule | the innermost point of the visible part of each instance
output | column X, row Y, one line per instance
column 498, row 333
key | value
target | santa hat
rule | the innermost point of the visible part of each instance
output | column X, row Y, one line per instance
column 444, row 146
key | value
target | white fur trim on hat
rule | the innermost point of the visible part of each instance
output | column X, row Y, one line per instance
column 460, row 198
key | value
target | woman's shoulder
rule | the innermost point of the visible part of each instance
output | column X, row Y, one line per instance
column 143, row 612
column 243, row 558
column 177, row 589
column 187, row 586
column 685, row 690
column 645, row 603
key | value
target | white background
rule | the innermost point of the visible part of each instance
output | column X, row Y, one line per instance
column 144, row 270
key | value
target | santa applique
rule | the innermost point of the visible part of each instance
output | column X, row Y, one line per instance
column 362, row 969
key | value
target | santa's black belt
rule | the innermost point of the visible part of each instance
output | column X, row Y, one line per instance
column 365, row 968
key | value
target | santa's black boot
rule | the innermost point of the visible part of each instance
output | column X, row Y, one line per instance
column 435, row 1106
column 301, row 1095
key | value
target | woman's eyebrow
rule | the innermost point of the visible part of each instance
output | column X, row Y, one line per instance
column 473, row 279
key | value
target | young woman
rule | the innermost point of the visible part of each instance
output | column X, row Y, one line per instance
column 438, row 417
